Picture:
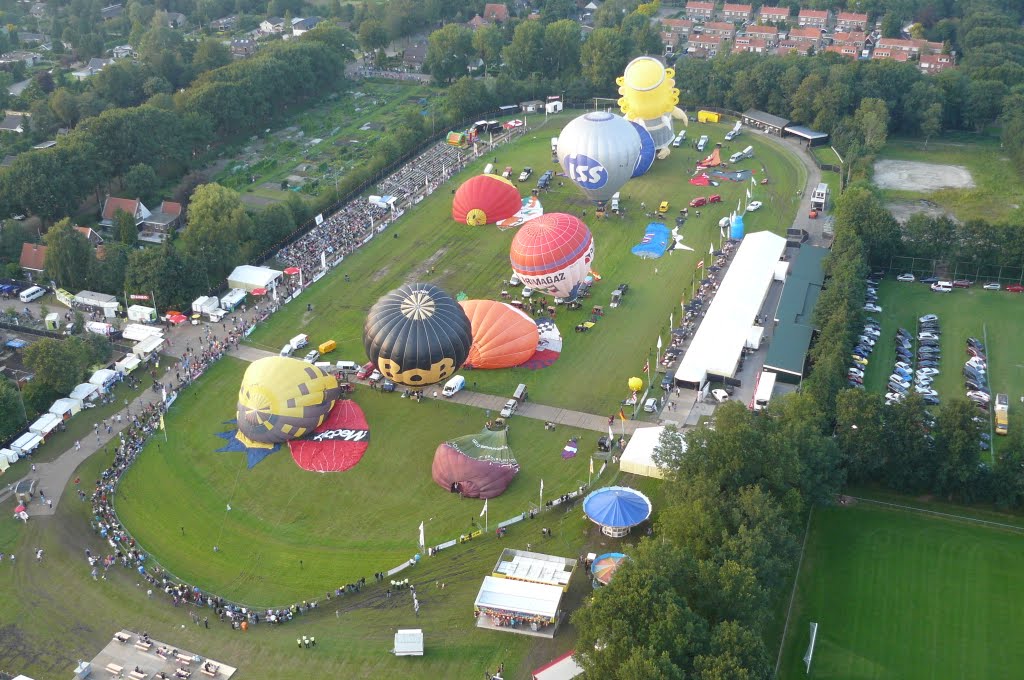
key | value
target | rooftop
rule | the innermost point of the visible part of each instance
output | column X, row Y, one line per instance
column 794, row 317
column 126, row 655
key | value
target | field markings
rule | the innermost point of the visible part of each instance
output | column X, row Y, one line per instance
column 947, row 515
column 792, row 595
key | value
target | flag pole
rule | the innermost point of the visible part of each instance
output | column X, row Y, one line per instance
column 590, row 476
column 540, row 499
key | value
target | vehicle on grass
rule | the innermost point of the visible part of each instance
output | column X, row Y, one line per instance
column 850, row 377
column 905, row 278
column 894, row 396
column 514, row 280
column 312, row 356
column 452, row 386
column 651, row 405
column 871, row 320
column 902, row 365
column 387, row 386
column 525, row 174
column 931, row 400
column 939, row 288
column 1015, row 288
column 663, row 208
column 1002, row 421
column 859, row 360
column 872, row 331
column 545, row 180
column 927, row 371
column 527, row 291
column 962, row 283
column 680, row 138
column 978, row 394
column 366, row 370
column 374, row 377
column 927, row 335
column 856, row 386
column 714, row 198
column 899, row 379
column 992, row 286
column 862, row 350
column 871, row 307
column 287, row 350
column 930, row 279
column 971, row 385
column 896, row 387
column 698, row 202
column 974, row 342
column 507, row 172
column 866, row 341
column 510, row 407
column 702, row 142
column 856, row 371
column 925, row 391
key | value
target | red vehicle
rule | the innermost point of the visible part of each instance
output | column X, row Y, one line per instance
column 962, row 283
column 698, row 202
column 1015, row 288
column 714, row 198
column 366, row 370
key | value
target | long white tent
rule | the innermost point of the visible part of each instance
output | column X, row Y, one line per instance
column 718, row 344
column 638, row 456
column 248, row 277
column 519, row 597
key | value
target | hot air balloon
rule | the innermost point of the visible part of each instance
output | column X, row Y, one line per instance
column 649, row 98
column 485, row 199
column 476, row 466
column 417, row 335
column 282, row 399
column 647, row 151
column 503, row 336
column 552, row 253
column 599, row 152
column 635, row 384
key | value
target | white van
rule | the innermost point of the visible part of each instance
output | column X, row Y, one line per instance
column 299, row 341
column 740, row 155
column 942, row 287
column 30, row 294
column 453, row 386
column 702, row 142
column 287, row 350
column 346, row 367
column 615, row 202
column 489, row 169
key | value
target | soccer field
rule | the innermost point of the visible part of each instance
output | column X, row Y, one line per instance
column 905, row 596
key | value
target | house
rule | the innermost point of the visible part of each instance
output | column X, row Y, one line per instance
column 749, row 44
column 710, row 44
column 300, row 26
column 852, row 39
column 27, row 38
column 477, row 22
column 30, row 59
column 807, row 34
column 817, row 18
column 768, row 122
column 242, row 48
column 91, row 235
column 38, row 10
column 933, row 63
column 33, row 258
column 414, row 56
column 130, row 206
column 272, row 25
column 723, row 28
column 790, row 46
column 773, row 15
column 670, row 41
column 13, row 121
column 156, row 227
column 770, row 34
column 700, row 11
column 496, row 12
column 123, row 52
column 845, row 50
column 851, row 21
column 176, row 20
column 927, row 47
column 224, row 23
column 913, row 47
column 890, row 53
column 737, row 13
column 111, row 12
column 679, row 27
column 94, row 66
column 531, row 106
column 48, row 144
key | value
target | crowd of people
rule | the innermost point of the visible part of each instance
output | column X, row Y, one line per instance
column 427, row 171
column 337, row 236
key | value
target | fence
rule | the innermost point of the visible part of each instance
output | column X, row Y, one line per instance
column 982, row 273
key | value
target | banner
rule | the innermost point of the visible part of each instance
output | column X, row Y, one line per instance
column 319, row 219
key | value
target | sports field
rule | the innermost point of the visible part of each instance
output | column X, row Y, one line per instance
column 591, row 373
column 988, row 315
column 905, row 596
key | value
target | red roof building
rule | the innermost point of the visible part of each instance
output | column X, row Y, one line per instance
column 133, row 207
column 845, row 50
column 854, row 39
column 773, row 15
column 712, row 44
column 813, row 17
column 933, row 63
column 701, row 11
column 851, row 21
column 722, row 28
column 806, row 34
column 677, row 26
column 733, row 12
column 496, row 12
column 748, row 44
column 33, row 257
column 889, row 53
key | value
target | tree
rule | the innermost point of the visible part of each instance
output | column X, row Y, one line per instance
column 603, row 56
column 562, row 43
column 124, row 228
column 862, row 211
column 525, row 54
column 218, row 225
column 556, row 10
column 448, row 52
column 12, row 414
column 210, row 54
column 956, row 450
column 64, row 105
column 372, row 35
column 465, row 97
column 68, row 255
column 58, row 364
column 984, row 102
column 141, row 182
column 931, row 122
column 872, row 120
column 487, row 43
column 860, row 434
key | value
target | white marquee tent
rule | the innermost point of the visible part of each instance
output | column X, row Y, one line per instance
column 519, row 597
column 247, row 277
column 718, row 344
column 46, row 424
column 562, row 668
column 104, row 378
column 638, row 456
column 84, row 392
column 66, row 407
column 409, row 642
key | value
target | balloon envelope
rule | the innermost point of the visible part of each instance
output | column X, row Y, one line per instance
column 635, row 384
column 476, row 466
column 282, row 399
column 647, row 151
column 503, row 336
column 553, row 253
column 485, row 199
column 417, row 335
column 599, row 152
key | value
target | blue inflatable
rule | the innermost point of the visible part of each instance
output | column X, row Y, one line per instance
column 736, row 228
column 647, row 151
column 654, row 243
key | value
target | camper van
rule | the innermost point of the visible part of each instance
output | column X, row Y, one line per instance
column 702, row 143
column 453, row 386
column 740, row 155
column 30, row 294
column 615, row 202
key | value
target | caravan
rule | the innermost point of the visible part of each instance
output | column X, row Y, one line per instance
column 740, row 155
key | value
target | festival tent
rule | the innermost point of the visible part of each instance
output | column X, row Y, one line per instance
column 523, row 565
column 4, row 462
column 537, row 602
column 85, row 392
column 66, row 407
column 145, row 348
column 477, row 465
column 408, row 642
column 616, row 509
column 8, row 455
column 711, row 161
column 248, row 277
column 638, row 456
column 47, row 423
column 128, row 364
column 562, row 668
column 27, row 443
column 104, row 378
column 136, row 332
column 654, row 243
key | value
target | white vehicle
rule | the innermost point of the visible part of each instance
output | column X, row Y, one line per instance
column 975, row 395
column 374, row 377
column 615, row 202
column 899, row 380
column 525, row 174
column 765, row 387
column 679, row 139
column 287, row 350
column 514, row 280
column 853, row 370
column 977, row 362
column 510, row 407
column 489, row 169
column 527, row 292
column 872, row 307
column 312, row 356
column 30, row 294
column 702, row 142
column 991, row 286
column 903, row 365
column 299, row 341
column 928, row 317
column 720, row 395
column 872, row 332
column 651, row 405
column 754, row 205
column 894, row 396
column 939, row 288
column 927, row 371
column 906, row 278
column 870, row 342
column 925, row 391
column 927, row 335
column 453, row 386
column 346, row 367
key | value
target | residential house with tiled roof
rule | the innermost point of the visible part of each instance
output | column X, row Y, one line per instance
column 681, row 27
column 700, row 11
column 737, row 13
column 890, row 53
column 496, row 12
column 91, row 235
column 851, row 21
column 818, row 18
column 769, row 33
column 160, row 223
column 852, row 39
column 243, row 47
column 13, row 122
column 710, row 44
column 845, row 50
column 773, row 15
column 806, row 34
column 133, row 207
column 791, row 46
column 933, row 63
column 33, row 258
column 722, row 28
column 746, row 43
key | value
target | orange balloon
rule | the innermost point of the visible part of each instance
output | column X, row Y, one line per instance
column 485, row 199
column 503, row 336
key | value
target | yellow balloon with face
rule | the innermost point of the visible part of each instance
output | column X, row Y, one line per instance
column 648, row 89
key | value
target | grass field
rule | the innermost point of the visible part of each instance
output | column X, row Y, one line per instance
column 964, row 313
column 904, row 596
column 593, row 368
column 999, row 191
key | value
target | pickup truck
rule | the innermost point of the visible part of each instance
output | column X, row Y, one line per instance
column 510, row 407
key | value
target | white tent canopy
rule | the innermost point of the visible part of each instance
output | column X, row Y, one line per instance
column 519, row 597
column 409, row 642
column 128, row 364
column 66, row 407
column 27, row 443
column 247, row 277
column 85, row 391
column 147, row 346
column 638, row 456
column 136, row 332
column 104, row 378
column 46, row 424
column 8, row 455
column 718, row 344
column 562, row 668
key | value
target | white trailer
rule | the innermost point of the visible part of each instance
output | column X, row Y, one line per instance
column 765, row 387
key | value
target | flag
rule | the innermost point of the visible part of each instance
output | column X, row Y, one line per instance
column 621, row 415
column 748, row 194
column 591, row 466
column 700, row 265
column 229, row 507
column 647, row 364
column 162, row 427
column 671, row 320
column 423, row 542
column 484, row 511
column 541, row 487
column 610, row 435
column 659, row 342
column 753, row 181
column 711, row 250
column 739, row 205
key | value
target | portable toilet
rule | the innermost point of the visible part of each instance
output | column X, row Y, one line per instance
column 53, row 321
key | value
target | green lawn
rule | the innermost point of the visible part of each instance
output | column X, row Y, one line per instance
column 904, row 596
column 593, row 368
column 999, row 191
column 964, row 313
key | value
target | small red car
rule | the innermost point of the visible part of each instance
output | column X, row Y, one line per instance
column 366, row 370
column 714, row 198
column 1015, row 288
column 698, row 202
column 962, row 283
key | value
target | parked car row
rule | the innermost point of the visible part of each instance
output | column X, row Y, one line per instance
column 867, row 339
column 976, row 382
column 942, row 286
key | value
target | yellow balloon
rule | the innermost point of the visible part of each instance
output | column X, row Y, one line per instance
column 636, row 384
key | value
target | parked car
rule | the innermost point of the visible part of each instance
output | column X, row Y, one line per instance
column 930, row 279
column 1015, row 288
column 525, row 174
column 312, row 356
column 366, row 370
column 698, row 202
column 651, row 405
column 507, row 172
column 962, row 283
column 991, row 286
column 859, row 360
column 872, row 307
column 754, row 205
column 939, row 288
column 714, row 198
column 927, row 335
column 928, row 371
column 905, row 278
